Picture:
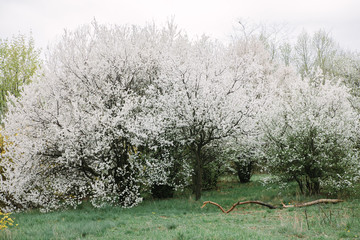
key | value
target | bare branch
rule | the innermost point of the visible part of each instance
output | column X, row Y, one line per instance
column 272, row 206
column 313, row 203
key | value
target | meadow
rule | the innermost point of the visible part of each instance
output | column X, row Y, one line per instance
column 183, row 218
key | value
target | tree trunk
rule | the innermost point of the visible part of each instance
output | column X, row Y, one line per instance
column 198, row 174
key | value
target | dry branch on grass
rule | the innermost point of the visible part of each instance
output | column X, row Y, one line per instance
column 313, row 203
column 272, row 206
column 239, row 203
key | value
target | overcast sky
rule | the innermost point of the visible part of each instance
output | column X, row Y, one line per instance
column 48, row 18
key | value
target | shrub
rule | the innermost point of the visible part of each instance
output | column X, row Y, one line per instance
column 213, row 168
column 310, row 137
column 211, row 174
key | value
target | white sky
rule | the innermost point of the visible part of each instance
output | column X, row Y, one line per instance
column 48, row 18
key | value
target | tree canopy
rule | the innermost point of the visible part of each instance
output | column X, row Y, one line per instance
column 19, row 62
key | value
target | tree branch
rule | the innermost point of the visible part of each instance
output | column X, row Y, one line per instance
column 272, row 206
column 313, row 203
column 239, row 203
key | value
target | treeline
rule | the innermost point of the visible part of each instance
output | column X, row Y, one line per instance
column 123, row 110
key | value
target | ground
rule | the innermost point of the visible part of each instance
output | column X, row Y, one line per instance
column 183, row 218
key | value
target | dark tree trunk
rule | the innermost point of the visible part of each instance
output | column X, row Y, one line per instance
column 198, row 174
column 300, row 184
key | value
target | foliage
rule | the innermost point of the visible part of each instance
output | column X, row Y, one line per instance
column 166, row 169
column 243, row 158
column 4, row 143
column 5, row 220
column 310, row 137
column 19, row 64
column 80, row 125
column 212, row 170
column 2, row 149
column 347, row 67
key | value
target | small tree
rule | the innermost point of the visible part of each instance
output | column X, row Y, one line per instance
column 310, row 136
column 19, row 62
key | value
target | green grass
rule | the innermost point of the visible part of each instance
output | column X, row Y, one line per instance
column 182, row 218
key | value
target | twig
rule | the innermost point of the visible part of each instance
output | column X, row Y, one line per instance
column 307, row 222
column 325, row 215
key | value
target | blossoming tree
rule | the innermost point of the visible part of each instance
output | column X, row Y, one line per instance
column 75, row 132
column 310, row 135
column 215, row 93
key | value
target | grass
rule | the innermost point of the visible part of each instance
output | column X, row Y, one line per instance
column 182, row 218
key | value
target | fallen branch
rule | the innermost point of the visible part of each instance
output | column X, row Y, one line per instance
column 255, row 202
column 239, row 203
column 272, row 206
column 313, row 203
column 213, row 203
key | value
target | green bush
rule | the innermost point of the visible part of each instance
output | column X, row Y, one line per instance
column 211, row 174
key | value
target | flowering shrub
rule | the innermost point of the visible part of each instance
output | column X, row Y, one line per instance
column 77, row 124
column 310, row 134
